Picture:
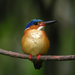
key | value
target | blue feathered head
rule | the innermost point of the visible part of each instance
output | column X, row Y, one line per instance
column 33, row 22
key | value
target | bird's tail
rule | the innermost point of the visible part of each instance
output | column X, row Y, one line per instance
column 37, row 64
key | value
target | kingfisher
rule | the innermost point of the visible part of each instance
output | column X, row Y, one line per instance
column 35, row 41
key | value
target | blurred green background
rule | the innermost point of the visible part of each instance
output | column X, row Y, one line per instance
column 15, row 14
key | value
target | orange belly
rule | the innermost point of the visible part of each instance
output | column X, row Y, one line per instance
column 35, row 42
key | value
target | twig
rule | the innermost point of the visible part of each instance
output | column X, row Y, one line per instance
column 43, row 57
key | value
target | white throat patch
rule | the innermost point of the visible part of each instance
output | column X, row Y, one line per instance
column 41, row 28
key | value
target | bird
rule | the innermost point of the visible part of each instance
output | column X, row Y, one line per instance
column 35, row 41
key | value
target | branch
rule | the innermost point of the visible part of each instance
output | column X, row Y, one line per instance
column 43, row 57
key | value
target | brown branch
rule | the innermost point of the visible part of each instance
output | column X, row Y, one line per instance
column 43, row 57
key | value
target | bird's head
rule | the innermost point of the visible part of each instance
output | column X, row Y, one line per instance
column 38, row 24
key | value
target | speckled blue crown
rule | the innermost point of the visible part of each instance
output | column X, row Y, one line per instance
column 32, row 22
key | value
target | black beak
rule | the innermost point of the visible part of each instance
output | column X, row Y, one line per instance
column 50, row 22
column 47, row 23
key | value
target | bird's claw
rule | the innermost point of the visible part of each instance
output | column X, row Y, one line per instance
column 38, row 56
column 29, row 56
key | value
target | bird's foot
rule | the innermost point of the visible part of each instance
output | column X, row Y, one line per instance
column 38, row 56
column 29, row 56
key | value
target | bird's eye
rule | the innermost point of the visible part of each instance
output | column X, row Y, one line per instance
column 35, row 23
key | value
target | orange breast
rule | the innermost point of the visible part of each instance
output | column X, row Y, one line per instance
column 35, row 42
